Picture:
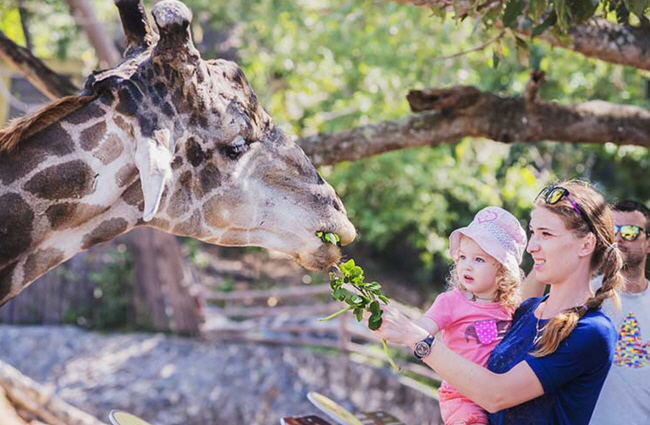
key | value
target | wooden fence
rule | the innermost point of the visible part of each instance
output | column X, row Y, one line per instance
column 288, row 316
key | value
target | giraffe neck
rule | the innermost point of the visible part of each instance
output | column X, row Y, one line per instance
column 65, row 189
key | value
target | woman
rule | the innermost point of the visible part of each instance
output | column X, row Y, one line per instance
column 551, row 365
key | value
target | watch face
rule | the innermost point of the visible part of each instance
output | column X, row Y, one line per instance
column 422, row 349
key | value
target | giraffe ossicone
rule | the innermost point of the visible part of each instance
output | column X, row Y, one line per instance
column 163, row 139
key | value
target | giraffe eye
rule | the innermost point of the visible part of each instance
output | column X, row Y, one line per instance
column 236, row 149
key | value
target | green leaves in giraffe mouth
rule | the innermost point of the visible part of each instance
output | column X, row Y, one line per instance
column 328, row 237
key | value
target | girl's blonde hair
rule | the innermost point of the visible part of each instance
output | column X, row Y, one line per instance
column 508, row 285
column 606, row 258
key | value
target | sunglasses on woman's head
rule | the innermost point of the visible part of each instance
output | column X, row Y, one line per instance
column 629, row 232
column 554, row 194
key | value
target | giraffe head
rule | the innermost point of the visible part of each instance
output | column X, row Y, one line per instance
column 211, row 163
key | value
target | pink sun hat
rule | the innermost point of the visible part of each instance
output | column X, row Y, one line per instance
column 498, row 233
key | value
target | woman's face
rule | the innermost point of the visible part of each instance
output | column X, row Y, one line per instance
column 554, row 248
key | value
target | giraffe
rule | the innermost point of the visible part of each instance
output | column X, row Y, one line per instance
column 164, row 139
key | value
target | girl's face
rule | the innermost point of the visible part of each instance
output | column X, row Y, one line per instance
column 476, row 269
column 554, row 248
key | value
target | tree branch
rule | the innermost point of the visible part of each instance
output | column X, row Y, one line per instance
column 458, row 112
column 601, row 39
column 50, row 83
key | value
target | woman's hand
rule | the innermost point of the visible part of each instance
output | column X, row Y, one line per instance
column 397, row 328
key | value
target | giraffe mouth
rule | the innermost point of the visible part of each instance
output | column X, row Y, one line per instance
column 329, row 237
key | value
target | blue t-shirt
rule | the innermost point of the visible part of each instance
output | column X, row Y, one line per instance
column 572, row 376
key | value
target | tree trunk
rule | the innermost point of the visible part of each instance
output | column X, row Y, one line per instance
column 162, row 292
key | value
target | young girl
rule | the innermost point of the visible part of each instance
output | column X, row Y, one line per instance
column 477, row 312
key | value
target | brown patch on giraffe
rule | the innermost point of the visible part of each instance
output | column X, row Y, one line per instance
column 91, row 136
column 123, row 125
column 16, row 224
column 110, row 150
column 86, row 114
column 181, row 200
column 105, row 232
column 68, row 214
column 72, row 179
column 133, row 194
column 40, row 262
column 6, row 274
column 190, row 227
column 126, row 174
column 29, row 125
column 158, row 223
column 210, row 179
column 54, row 141
column 211, row 212
column 194, row 152
column 177, row 162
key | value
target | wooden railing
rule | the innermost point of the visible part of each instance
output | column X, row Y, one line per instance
column 290, row 318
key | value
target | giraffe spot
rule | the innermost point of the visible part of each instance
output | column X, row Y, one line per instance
column 161, row 89
column 68, row 215
column 85, row 114
column 213, row 211
column 110, row 150
column 6, row 274
column 167, row 109
column 194, row 152
column 16, row 218
column 148, row 123
column 123, row 125
column 181, row 200
column 105, row 232
column 133, row 194
column 72, row 179
column 177, row 162
column 126, row 174
column 127, row 104
column 190, row 227
column 40, row 262
column 210, row 178
column 91, row 136
column 31, row 152
column 158, row 223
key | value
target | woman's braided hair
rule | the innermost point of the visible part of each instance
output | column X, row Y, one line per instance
column 606, row 258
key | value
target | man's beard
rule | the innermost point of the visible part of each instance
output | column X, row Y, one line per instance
column 632, row 260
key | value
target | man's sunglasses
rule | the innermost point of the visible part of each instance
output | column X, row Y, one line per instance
column 629, row 232
column 554, row 194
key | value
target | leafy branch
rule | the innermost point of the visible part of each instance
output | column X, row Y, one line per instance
column 365, row 297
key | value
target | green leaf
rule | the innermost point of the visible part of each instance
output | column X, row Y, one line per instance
column 513, row 10
column 495, row 59
column 550, row 20
column 358, row 312
column 523, row 52
column 637, row 7
column 439, row 12
column 375, row 308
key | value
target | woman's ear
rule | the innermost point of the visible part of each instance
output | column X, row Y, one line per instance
column 587, row 245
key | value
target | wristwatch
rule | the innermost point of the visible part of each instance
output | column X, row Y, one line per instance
column 423, row 348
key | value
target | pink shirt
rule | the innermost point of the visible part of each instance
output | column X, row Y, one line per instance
column 471, row 329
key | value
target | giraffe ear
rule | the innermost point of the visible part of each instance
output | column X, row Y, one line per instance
column 153, row 159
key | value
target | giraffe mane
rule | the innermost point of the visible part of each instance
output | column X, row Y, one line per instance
column 24, row 127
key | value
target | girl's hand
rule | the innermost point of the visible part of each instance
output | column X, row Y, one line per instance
column 397, row 328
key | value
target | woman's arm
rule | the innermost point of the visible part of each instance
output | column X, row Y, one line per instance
column 489, row 390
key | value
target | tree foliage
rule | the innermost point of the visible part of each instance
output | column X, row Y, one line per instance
column 321, row 66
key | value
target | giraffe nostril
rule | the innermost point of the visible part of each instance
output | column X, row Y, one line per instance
column 337, row 205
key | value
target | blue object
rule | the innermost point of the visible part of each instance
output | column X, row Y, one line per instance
column 572, row 376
